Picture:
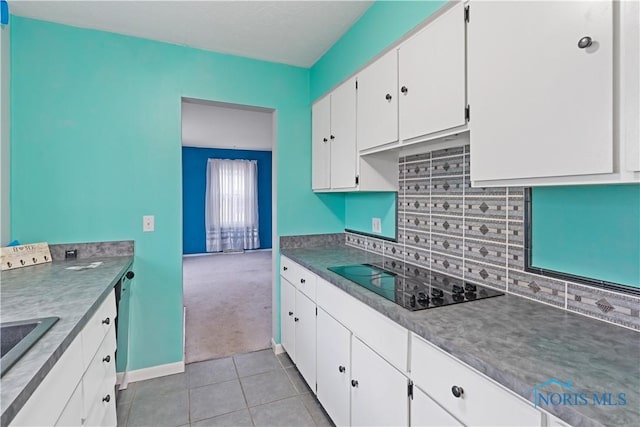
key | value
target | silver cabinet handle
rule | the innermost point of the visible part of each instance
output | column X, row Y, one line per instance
column 585, row 42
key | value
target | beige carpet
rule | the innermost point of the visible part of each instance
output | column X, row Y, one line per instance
column 228, row 301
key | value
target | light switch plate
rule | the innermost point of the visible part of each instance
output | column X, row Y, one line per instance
column 148, row 223
column 376, row 225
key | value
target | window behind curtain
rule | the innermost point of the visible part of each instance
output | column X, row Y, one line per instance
column 232, row 205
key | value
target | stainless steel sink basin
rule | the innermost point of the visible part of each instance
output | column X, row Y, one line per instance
column 18, row 337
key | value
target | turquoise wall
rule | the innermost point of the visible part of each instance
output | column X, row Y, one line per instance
column 361, row 207
column 590, row 231
column 380, row 26
column 96, row 131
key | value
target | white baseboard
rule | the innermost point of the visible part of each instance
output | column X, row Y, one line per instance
column 248, row 251
column 277, row 348
column 124, row 378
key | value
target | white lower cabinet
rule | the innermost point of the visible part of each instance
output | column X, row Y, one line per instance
column 356, row 386
column 298, row 318
column 427, row 413
column 466, row 394
column 72, row 415
column 287, row 325
column 334, row 368
column 379, row 394
column 79, row 389
column 305, row 332
column 362, row 364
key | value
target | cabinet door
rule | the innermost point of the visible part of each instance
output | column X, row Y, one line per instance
column 426, row 412
column 48, row 401
column 377, row 110
column 334, row 371
column 305, row 336
column 320, row 145
column 287, row 313
column 379, row 392
column 73, row 413
column 122, row 325
column 343, row 136
column 541, row 106
column 432, row 69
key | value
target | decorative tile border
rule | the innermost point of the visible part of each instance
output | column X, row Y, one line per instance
column 605, row 305
column 538, row 287
column 477, row 234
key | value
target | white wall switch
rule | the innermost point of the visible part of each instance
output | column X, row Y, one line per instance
column 376, row 225
column 148, row 223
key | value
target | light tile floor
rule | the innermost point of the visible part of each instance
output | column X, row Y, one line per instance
column 250, row 389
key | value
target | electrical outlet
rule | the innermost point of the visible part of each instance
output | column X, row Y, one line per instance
column 148, row 223
column 376, row 225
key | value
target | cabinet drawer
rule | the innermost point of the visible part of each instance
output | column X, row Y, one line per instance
column 48, row 400
column 306, row 283
column 96, row 329
column 73, row 413
column 380, row 333
column 482, row 402
column 103, row 405
column 300, row 277
column 100, row 370
column 287, row 268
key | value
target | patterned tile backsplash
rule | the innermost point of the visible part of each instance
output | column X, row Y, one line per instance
column 477, row 234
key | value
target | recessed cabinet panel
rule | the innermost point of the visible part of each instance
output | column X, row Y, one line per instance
column 432, row 77
column 48, row 401
column 541, row 96
column 477, row 400
column 378, row 390
column 377, row 113
column 343, row 136
column 305, row 333
column 287, row 314
column 334, row 368
column 427, row 413
column 320, row 144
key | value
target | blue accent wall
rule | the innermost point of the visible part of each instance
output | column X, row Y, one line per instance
column 194, row 185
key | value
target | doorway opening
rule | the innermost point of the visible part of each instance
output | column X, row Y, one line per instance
column 228, row 211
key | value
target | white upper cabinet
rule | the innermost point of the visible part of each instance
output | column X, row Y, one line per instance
column 343, row 136
column 432, row 77
column 321, row 131
column 333, row 121
column 378, row 102
column 541, row 89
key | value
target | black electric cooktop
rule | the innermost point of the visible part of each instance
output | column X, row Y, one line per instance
column 415, row 288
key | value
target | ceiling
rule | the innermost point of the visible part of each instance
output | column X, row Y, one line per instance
column 290, row 32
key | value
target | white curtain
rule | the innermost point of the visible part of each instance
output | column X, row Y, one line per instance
column 231, row 212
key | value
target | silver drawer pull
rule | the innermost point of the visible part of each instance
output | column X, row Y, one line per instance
column 107, row 398
column 457, row 391
column 106, row 359
column 106, row 321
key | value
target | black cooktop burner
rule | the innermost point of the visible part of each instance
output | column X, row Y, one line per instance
column 413, row 288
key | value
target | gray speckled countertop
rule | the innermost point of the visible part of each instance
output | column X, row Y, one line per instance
column 517, row 342
column 50, row 290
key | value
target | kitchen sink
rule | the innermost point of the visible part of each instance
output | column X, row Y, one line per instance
column 17, row 337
